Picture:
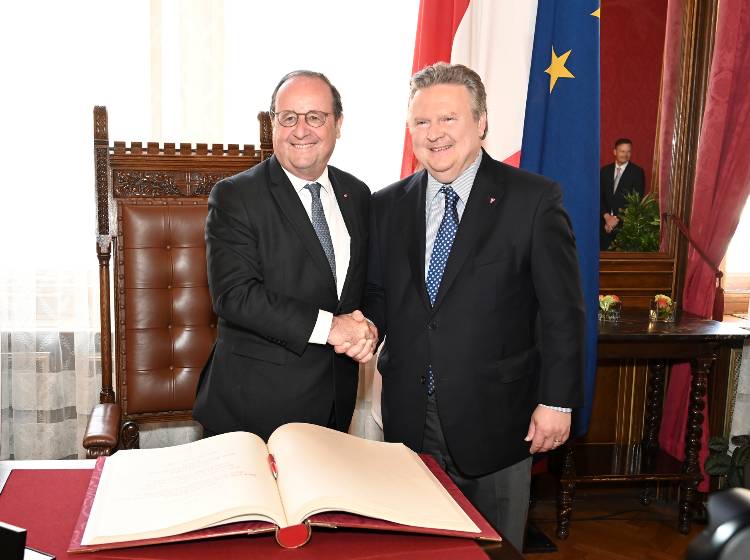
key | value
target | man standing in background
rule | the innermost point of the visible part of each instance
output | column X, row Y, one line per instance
column 616, row 180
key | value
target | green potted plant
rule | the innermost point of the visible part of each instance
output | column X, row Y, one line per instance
column 639, row 229
column 735, row 465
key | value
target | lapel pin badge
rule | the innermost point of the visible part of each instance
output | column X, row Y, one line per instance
column 346, row 195
column 492, row 200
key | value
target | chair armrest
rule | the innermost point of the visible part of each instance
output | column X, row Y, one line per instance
column 102, row 432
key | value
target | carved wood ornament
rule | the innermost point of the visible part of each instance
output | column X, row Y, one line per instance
column 169, row 172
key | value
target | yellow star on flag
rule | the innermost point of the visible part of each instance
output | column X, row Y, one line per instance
column 597, row 13
column 557, row 68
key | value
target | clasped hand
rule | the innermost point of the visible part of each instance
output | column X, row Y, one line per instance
column 352, row 334
column 610, row 222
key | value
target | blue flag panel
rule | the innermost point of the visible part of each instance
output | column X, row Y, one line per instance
column 561, row 141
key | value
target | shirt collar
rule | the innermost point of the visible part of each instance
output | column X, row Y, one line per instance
column 462, row 184
column 299, row 184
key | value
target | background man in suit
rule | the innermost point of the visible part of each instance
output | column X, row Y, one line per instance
column 617, row 180
column 286, row 245
column 473, row 281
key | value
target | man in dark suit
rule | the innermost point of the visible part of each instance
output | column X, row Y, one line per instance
column 286, row 245
column 617, row 180
column 473, row 281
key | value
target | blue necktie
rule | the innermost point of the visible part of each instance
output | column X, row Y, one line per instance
column 318, row 219
column 440, row 251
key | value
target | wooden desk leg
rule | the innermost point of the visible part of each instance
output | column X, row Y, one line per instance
column 565, row 494
column 654, row 400
column 699, row 380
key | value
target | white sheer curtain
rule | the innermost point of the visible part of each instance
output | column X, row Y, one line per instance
column 56, row 66
column 167, row 70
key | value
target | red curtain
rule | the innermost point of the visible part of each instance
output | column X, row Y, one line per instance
column 722, row 185
column 632, row 40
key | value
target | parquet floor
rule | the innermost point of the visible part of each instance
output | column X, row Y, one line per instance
column 613, row 525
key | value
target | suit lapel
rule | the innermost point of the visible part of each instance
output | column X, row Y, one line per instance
column 479, row 217
column 291, row 206
column 345, row 201
column 410, row 214
column 609, row 175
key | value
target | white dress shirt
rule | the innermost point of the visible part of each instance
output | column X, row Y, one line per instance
column 339, row 236
column 622, row 170
column 435, row 205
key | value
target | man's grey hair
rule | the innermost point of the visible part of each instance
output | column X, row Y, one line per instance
column 337, row 107
column 457, row 74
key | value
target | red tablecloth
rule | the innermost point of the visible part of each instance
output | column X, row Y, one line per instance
column 47, row 502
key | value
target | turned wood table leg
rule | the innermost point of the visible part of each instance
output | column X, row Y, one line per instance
column 654, row 398
column 565, row 494
column 650, row 442
column 701, row 367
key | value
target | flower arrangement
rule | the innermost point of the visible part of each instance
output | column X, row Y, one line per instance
column 663, row 309
column 609, row 307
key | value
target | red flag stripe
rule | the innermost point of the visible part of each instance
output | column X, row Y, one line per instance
column 437, row 23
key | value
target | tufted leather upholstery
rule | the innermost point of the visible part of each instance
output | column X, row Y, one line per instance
column 169, row 326
column 151, row 213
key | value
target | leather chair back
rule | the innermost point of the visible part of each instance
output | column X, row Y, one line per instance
column 167, row 324
column 151, row 213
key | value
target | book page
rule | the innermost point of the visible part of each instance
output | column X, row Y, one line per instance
column 151, row 493
column 324, row 470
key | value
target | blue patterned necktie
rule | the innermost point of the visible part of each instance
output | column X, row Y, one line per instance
column 318, row 219
column 440, row 252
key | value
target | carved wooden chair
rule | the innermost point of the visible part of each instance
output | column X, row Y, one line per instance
column 151, row 208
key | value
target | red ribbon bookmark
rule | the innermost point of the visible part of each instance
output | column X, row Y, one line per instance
column 272, row 464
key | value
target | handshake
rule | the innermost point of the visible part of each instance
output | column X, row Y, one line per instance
column 352, row 334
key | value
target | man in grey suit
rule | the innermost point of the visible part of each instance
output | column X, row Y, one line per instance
column 473, row 281
column 286, row 246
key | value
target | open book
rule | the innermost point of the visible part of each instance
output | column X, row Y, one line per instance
column 236, row 484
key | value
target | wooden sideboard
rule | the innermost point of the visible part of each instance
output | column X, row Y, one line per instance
column 635, row 455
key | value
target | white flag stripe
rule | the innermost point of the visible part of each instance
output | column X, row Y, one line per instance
column 495, row 38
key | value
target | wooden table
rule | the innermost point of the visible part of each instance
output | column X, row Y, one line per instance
column 45, row 499
column 692, row 339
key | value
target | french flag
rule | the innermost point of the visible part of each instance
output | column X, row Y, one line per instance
column 539, row 61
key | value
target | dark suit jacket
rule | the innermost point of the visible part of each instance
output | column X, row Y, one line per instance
column 506, row 331
column 633, row 180
column 268, row 277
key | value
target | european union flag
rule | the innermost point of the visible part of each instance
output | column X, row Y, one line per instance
column 561, row 141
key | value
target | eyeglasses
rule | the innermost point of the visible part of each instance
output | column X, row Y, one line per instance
column 315, row 119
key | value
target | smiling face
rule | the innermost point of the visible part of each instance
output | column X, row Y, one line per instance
column 301, row 149
column 622, row 153
column 445, row 136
